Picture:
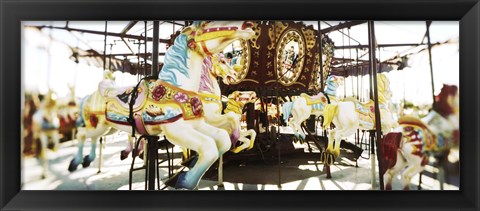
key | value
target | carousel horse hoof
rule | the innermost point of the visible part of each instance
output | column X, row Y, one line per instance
column 123, row 155
column 190, row 162
column 330, row 159
column 86, row 161
column 43, row 177
column 140, row 155
column 174, row 180
column 294, row 139
column 73, row 166
column 322, row 157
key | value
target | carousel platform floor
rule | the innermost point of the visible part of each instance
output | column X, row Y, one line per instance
column 297, row 171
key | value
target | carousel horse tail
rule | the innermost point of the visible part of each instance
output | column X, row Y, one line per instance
column 329, row 112
column 286, row 110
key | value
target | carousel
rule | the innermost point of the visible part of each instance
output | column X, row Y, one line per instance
column 238, row 105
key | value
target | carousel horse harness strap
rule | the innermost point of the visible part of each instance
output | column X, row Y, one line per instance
column 134, row 94
column 317, row 102
column 199, row 37
column 207, row 97
column 366, row 110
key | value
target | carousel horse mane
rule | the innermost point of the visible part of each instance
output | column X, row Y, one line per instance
column 205, row 82
column 442, row 105
column 383, row 85
column 175, row 61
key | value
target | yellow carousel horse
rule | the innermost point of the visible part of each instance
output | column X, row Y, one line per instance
column 170, row 105
column 45, row 125
column 349, row 115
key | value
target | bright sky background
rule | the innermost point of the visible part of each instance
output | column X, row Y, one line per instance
column 46, row 63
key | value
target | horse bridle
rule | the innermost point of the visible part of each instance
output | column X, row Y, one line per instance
column 210, row 34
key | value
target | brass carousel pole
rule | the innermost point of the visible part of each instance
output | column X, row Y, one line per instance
column 100, row 154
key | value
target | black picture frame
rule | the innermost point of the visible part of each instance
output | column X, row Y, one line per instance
column 14, row 11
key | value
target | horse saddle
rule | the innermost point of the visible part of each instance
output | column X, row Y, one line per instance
column 415, row 129
column 122, row 96
column 365, row 108
column 316, row 99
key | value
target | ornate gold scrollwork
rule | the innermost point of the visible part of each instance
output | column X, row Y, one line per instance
column 245, row 59
column 278, row 29
column 310, row 38
column 253, row 41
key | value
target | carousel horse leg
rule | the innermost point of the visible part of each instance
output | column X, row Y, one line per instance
column 325, row 156
column 79, row 156
column 390, row 173
column 222, row 140
column 56, row 140
column 43, row 153
column 197, row 141
column 124, row 153
column 246, row 143
column 339, row 134
column 93, row 152
column 409, row 172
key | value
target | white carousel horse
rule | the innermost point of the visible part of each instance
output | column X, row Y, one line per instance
column 170, row 105
column 45, row 125
column 408, row 150
column 216, row 66
column 302, row 107
column 349, row 115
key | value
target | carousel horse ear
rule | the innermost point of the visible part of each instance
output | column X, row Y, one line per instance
column 187, row 30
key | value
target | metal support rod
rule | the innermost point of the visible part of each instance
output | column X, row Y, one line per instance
column 145, row 56
column 373, row 70
column 320, row 53
column 152, row 161
column 430, row 60
column 100, row 156
column 156, row 30
column 105, row 47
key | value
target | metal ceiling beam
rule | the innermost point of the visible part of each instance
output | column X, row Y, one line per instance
column 380, row 45
column 103, row 33
column 173, row 22
column 128, row 54
column 347, row 24
column 128, row 27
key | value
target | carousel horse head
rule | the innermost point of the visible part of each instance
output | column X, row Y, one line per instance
column 197, row 42
column 446, row 102
column 221, row 68
column 209, row 37
column 447, row 105
column 332, row 83
column 50, row 100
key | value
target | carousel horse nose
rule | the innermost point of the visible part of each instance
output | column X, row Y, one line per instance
column 247, row 24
